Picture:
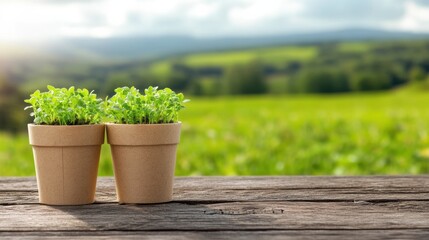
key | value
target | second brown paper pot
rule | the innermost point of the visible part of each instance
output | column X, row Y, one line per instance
column 144, row 159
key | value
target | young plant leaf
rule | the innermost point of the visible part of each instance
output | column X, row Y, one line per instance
column 129, row 106
column 61, row 106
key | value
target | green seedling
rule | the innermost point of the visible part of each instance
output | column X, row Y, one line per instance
column 62, row 106
column 129, row 106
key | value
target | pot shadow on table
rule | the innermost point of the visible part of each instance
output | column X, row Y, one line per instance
column 179, row 215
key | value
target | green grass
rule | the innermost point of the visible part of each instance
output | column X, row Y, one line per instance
column 354, row 47
column 219, row 59
column 421, row 86
column 285, row 54
column 271, row 55
column 278, row 84
column 161, row 68
column 385, row 133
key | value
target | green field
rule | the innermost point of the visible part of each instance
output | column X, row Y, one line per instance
column 276, row 56
column 385, row 133
column 269, row 55
column 354, row 47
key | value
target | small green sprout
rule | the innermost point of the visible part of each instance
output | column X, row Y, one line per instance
column 62, row 106
column 129, row 106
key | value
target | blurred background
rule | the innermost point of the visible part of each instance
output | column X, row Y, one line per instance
column 278, row 87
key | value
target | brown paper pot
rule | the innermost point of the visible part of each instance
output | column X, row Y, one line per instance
column 144, row 158
column 66, row 159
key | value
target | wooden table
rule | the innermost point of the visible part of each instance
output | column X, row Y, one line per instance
column 232, row 207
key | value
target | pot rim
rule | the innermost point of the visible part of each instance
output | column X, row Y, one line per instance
column 66, row 135
column 142, row 124
column 143, row 134
column 83, row 125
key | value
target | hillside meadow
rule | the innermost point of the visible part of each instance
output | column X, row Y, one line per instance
column 313, row 68
column 350, row 134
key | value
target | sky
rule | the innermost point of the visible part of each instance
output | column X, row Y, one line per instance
column 27, row 20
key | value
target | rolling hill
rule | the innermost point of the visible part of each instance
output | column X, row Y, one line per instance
column 139, row 47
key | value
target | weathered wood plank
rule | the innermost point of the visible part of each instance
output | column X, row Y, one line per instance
column 239, row 207
column 217, row 217
column 219, row 189
column 225, row 195
column 239, row 235
column 243, row 183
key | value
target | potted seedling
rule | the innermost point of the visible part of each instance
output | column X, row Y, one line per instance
column 143, row 137
column 66, row 137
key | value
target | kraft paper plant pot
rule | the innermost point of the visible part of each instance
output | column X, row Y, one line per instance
column 66, row 160
column 144, row 158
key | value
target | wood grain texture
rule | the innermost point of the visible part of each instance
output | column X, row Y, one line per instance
column 238, row 235
column 257, row 195
column 219, row 216
column 224, row 189
column 233, row 183
column 232, row 207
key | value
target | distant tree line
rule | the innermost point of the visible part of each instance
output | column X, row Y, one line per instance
column 384, row 66
column 381, row 68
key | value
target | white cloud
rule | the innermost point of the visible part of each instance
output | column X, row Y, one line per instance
column 416, row 19
column 261, row 12
column 204, row 18
column 202, row 10
column 96, row 32
column 14, row 24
